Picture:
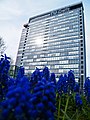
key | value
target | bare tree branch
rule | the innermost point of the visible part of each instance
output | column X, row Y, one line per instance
column 2, row 46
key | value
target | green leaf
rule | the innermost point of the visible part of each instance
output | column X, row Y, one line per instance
column 68, row 118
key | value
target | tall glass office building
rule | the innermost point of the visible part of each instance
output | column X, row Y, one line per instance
column 55, row 39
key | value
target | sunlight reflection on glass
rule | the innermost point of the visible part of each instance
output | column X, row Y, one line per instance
column 39, row 41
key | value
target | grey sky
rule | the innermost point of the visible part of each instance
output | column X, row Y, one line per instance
column 14, row 13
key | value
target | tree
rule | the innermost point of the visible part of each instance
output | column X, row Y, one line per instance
column 12, row 67
column 2, row 46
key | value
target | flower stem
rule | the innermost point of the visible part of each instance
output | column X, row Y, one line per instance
column 59, row 109
column 77, row 116
column 66, row 107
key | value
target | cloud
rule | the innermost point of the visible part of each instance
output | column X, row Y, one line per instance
column 11, row 35
column 14, row 13
column 9, row 10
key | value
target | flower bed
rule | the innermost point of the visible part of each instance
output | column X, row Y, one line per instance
column 41, row 97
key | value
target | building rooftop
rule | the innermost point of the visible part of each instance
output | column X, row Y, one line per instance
column 57, row 11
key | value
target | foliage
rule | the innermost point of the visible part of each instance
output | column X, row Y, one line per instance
column 40, row 97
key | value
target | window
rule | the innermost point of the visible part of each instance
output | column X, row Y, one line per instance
column 80, row 26
column 81, row 57
column 80, row 33
column 80, row 22
column 81, row 62
column 81, row 67
column 81, row 41
column 81, row 36
column 81, row 53
column 27, row 33
column 81, row 48
column 81, row 71
column 80, row 29
column 81, row 44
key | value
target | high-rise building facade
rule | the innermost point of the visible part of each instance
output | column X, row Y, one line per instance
column 55, row 39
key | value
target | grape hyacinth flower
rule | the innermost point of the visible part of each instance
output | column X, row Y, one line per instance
column 35, row 77
column 62, row 86
column 52, row 78
column 87, row 89
column 41, row 97
column 71, row 81
column 76, row 88
column 88, row 96
column 78, row 101
column 43, row 101
column 65, row 87
column 4, row 68
column 46, row 73
column 16, row 105
column 20, row 73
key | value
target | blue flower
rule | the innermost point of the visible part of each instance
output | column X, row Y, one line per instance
column 5, row 114
column 78, row 100
column 10, row 94
column 33, row 99
column 87, row 85
column 4, row 68
column 44, row 99
column 36, row 89
column 33, row 114
column 40, row 107
column 47, row 92
column 76, row 87
column 20, row 72
column 11, row 82
column 18, row 110
column 62, row 84
column 36, row 76
column 4, row 103
column 87, row 89
column 46, row 73
column 52, row 78
column 22, row 98
column 71, row 81
column 12, row 101
column 43, row 93
column 88, row 96
column 51, row 106
column 49, row 115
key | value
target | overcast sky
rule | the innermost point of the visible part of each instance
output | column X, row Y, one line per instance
column 15, row 13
